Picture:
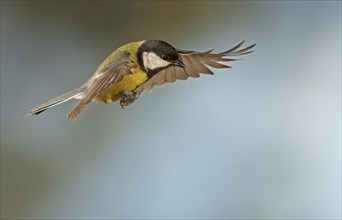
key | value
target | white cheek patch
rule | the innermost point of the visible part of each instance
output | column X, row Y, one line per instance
column 153, row 61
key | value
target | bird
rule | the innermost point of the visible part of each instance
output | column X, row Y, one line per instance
column 140, row 66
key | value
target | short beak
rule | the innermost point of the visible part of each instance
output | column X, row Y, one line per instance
column 179, row 63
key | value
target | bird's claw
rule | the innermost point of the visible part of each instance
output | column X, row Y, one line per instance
column 128, row 98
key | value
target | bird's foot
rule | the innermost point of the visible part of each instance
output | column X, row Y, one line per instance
column 127, row 98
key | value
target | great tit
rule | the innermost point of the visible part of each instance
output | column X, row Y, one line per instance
column 139, row 66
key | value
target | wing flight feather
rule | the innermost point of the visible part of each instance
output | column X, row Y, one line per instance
column 195, row 63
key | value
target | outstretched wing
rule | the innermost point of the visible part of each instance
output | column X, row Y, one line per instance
column 195, row 63
column 109, row 74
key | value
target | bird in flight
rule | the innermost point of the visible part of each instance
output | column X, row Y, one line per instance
column 139, row 66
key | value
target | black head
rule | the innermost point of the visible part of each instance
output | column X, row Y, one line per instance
column 155, row 55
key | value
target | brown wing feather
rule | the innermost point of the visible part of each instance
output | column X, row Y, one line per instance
column 195, row 63
column 113, row 72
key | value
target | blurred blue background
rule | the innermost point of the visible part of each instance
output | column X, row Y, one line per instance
column 260, row 140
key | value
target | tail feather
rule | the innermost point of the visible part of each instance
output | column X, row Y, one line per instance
column 53, row 102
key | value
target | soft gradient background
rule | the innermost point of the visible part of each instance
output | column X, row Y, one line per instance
column 261, row 140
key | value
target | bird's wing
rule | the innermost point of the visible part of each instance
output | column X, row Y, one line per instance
column 195, row 63
column 109, row 74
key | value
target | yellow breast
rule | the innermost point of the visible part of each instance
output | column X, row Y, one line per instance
column 129, row 82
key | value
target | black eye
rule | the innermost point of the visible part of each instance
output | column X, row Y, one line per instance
column 164, row 57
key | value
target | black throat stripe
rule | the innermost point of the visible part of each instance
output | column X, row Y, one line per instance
column 151, row 73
